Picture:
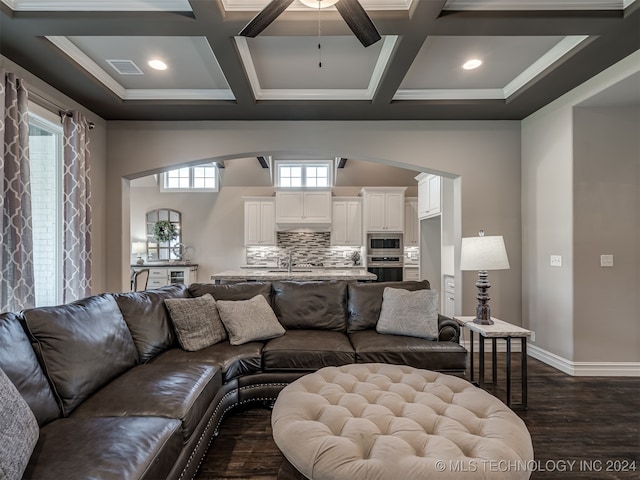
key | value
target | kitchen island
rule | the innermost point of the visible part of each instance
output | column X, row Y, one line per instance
column 262, row 274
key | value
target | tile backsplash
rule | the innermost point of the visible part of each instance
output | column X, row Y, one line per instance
column 305, row 247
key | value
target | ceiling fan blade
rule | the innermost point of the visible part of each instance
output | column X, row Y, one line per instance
column 358, row 21
column 263, row 19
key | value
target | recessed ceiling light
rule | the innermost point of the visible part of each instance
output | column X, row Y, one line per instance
column 471, row 64
column 157, row 64
column 323, row 3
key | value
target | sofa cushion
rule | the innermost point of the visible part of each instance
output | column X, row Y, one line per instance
column 196, row 321
column 182, row 391
column 307, row 350
column 233, row 360
column 365, row 301
column 373, row 347
column 18, row 430
column 20, row 364
column 148, row 318
column 249, row 320
column 106, row 448
column 81, row 346
column 404, row 312
column 232, row 291
column 311, row 305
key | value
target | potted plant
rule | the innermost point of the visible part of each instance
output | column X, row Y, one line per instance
column 164, row 231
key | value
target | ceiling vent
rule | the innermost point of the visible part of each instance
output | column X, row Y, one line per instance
column 125, row 67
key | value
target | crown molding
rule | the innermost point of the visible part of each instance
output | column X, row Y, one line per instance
column 257, row 5
column 99, row 5
column 535, row 5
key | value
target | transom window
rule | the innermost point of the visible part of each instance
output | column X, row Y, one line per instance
column 303, row 174
column 199, row 178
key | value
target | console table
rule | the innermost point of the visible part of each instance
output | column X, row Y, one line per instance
column 506, row 331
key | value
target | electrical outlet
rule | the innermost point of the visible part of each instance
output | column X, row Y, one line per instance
column 555, row 260
column 606, row 260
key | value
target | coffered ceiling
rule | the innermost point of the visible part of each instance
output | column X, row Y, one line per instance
column 532, row 51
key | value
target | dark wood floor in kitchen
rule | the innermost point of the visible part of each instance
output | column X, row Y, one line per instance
column 581, row 427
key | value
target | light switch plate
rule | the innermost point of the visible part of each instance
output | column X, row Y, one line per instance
column 555, row 260
column 606, row 260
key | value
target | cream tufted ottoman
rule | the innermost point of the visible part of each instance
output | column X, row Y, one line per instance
column 378, row 421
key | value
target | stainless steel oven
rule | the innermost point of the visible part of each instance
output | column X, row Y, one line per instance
column 384, row 244
column 387, row 268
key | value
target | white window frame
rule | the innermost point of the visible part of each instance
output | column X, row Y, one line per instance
column 191, row 189
column 47, row 120
column 304, row 164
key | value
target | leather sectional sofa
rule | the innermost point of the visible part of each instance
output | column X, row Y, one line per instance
column 115, row 397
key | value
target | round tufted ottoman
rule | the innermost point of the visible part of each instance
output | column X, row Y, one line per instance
column 379, row 421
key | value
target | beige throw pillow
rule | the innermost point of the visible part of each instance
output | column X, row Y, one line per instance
column 196, row 321
column 249, row 320
column 414, row 314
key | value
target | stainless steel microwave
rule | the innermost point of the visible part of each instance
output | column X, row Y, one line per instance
column 384, row 244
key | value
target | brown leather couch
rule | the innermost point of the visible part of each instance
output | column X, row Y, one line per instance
column 116, row 398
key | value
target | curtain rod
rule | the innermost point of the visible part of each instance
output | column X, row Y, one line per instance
column 61, row 110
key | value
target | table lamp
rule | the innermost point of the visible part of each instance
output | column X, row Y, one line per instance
column 139, row 248
column 483, row 253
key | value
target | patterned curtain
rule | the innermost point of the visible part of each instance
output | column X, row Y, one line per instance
column 76, row 207
column 17, row 289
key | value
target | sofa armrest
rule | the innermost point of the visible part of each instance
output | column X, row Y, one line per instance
column 448, row 329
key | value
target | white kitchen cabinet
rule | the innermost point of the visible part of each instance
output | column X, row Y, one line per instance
column 303, row 207
column 411, row 274
column 429, row 195
column 384, row 209
column 161, row 276
column 346, row 221
column 449, row 300
column 411, row 223
column 259, row 222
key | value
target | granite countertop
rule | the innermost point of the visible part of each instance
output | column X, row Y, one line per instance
column 164, row 264
column 296, row 274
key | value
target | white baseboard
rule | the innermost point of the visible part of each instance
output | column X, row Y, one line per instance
column 585, row 369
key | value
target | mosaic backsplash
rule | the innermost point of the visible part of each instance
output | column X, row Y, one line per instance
column 305, row 247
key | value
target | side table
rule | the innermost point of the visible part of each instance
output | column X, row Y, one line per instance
column 506, row 331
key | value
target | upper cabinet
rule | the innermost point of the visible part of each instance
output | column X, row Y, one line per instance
column 384, row 209
column 411, row 223
column 429, row 195
column 259, row 222
column 303, row 207
column 346, row 225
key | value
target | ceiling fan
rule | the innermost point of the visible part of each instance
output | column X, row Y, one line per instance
column 350, row 10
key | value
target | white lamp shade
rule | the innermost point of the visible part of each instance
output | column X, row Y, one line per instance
column 483, row 253
column 138, row 247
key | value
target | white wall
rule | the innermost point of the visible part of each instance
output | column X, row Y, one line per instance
column 580, row 178
column 485, row 154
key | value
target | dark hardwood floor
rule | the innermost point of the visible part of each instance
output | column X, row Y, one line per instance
column 581, row 428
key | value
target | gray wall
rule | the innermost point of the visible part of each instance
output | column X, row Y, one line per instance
column 486, row 156
column 606, row 194
column 580, row 184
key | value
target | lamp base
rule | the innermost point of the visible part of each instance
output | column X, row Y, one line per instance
column 140, row 261
column 483, row 321
column 483, row 310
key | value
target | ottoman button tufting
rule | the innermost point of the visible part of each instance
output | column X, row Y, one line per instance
column 397, row 422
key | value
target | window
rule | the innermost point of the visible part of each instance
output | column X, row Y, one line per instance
column 200, row 178
column 303, row 174
column 45, row 152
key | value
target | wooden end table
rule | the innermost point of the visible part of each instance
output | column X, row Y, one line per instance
column 506, row 331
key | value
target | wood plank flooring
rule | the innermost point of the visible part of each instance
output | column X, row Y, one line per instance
column 582, row 428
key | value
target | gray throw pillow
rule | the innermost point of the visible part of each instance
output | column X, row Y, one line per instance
column 249, row 320
column 18, row 431
column 196, row 321
column 414, row 314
